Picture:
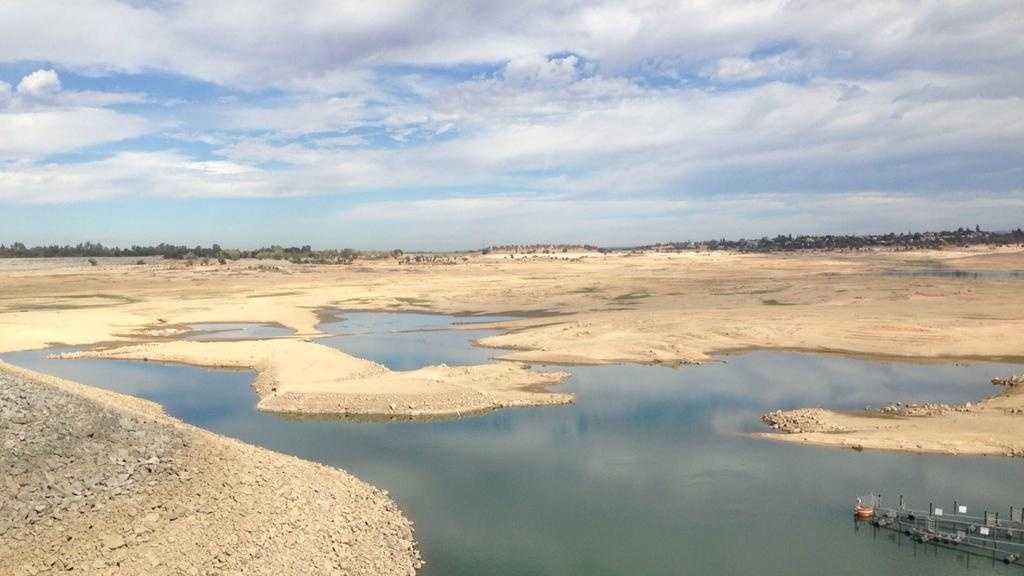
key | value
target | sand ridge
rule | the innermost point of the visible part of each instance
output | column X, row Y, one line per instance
column 296, row 376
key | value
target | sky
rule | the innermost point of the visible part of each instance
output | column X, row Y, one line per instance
column 453, row 125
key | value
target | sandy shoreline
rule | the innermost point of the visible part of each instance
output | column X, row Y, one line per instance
column 101, row 483
column 299, row 377
column 993, row 426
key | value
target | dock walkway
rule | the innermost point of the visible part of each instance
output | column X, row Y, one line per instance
column 989, row 535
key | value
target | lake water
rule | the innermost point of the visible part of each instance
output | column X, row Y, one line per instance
column 208, row 331
column 649, row 472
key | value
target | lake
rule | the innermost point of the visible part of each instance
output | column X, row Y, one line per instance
column 650, row 471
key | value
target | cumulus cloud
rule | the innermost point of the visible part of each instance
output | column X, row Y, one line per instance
column 39, row 83
column 40, row 118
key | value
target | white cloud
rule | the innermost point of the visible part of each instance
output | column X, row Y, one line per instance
column 41, row 118
column 573, row 107
column 656, row 136
column 605, row 136
column 38, row 84
column 580, row 135
column 779, row 66
column 132, row 174
column 33, row 133
column 537, row 68
column 91, row 98
column 274, row 42
column 341, row 141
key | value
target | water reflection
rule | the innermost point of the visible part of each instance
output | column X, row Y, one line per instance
column 406, row 341
column 209, row 331
column 647, row 473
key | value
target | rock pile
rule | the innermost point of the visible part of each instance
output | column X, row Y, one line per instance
column 924, row 408
column 97, row 488
column 799, row 421
column 1010, row 381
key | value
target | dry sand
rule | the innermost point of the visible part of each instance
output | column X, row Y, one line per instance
column 991, row 427
column 591, row 308
column 308, row 378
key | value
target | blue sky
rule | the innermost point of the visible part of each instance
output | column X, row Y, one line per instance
column 417, row 125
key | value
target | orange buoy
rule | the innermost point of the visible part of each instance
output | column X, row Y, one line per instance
column 862, row 510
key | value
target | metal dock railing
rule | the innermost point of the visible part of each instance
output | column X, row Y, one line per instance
column 988, row 535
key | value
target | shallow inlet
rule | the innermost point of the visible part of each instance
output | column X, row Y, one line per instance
column 210, row 331
column 649, row 472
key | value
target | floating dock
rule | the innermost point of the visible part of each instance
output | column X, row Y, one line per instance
column 988, row 535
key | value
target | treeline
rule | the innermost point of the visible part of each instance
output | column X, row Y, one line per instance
column 306, row 254
column 904, row 241
column 789, row 242
column 540, row 248
column 303, row 254
column 95, row 250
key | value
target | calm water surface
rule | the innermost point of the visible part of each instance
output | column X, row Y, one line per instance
column 207, row 331
column 649, row 472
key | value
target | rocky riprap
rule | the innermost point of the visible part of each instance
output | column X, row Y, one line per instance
column 1010, row 381
column 924, row 408
column 799, row 421
column 93, row 487
column 819, row 419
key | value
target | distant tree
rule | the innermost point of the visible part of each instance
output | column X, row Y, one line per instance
column 347, row 256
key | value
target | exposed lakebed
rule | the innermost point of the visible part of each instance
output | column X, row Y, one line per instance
column 649, row 472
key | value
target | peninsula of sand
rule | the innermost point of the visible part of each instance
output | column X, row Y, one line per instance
column 991, row 427
column 299, row 376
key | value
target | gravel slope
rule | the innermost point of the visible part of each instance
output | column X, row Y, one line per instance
column 98, row 483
